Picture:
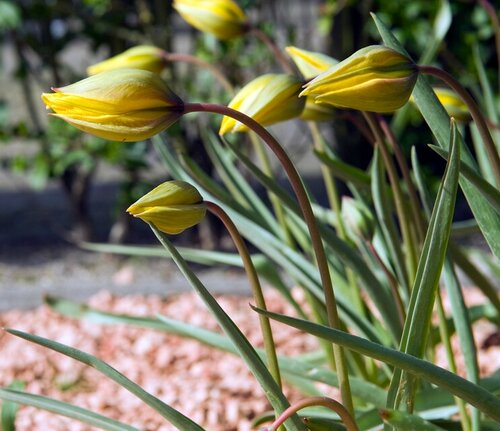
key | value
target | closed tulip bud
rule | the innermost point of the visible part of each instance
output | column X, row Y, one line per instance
column 268, row 99
column 454, row 105
column 310, row 63
column 358, row 219
column 375, row 78
column 142, row 57
column 171, row 207
column 222, row 18
column 120, row 105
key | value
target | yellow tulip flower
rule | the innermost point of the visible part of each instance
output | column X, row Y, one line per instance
column 222, row 18
column 375, row 78
column 454, row 105
column 143, row 57
column 268, row 99
column 310, row 63
column 120, row 105
column 172, row 207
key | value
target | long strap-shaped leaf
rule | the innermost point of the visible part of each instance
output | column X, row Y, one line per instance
column 490, row 193
column 438, row 121
column 246, row 351
column 290, row 366
column 418, row 321
column 176, row 418
column 64, row 409
column 474, row 394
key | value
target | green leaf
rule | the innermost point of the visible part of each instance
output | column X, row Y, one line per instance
column 456, row 385
column 63, row 409
column 487, row 190
column 344, row 171
column 290, row 366
column 407, row 421
column 236, row 183
column 173, row 416
column 438, row 121
column 423, row 293
column 246, row 351
column 9, row 408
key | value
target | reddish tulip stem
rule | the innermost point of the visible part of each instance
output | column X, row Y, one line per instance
column 310, row 220
column 187, row 58
column 271, row 45
column 475, row 112
column 267, row 334
column 337, row 407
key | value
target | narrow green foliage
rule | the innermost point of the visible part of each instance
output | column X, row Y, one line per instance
column 173, row 416
column 64, row 409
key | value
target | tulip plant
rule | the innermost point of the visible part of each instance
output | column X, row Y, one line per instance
column 373, row 266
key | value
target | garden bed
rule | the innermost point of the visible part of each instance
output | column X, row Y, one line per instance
column 211, row 387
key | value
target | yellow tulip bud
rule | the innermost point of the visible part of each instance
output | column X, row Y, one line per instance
column 268, row 99
column 139, row 57
column 454, row 105
column 375, row 78
column 222, row 18
column 120, row 105
column 172, row 207
column 310, row 63
column 316, row 111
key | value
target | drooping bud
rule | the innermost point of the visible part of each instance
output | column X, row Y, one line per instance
column 142, row 57
column 310, row 63
column 358, row 218
column 171, row 207
column 222, row 18
column 268, row 99
column 120, row 105
column 375, row 78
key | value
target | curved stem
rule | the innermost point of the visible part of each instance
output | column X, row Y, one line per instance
column 310, row 220
column 187, row 58
column 337, row 407
column 267, row 334
column 475, row 112
column 271, row 45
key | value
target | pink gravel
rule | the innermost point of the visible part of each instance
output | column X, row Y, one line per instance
column 211, row 387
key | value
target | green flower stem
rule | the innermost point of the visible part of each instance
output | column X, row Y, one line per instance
column 475, row 112
column 271, row 45
column 187, row 58
column 403, row 166
column 411, row 253
column 310, row 220
column 334, row 201
column 446, row 339
column 265, row 325
column 337, row 407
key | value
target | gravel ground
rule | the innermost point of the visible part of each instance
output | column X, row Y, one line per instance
column 212, row 388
